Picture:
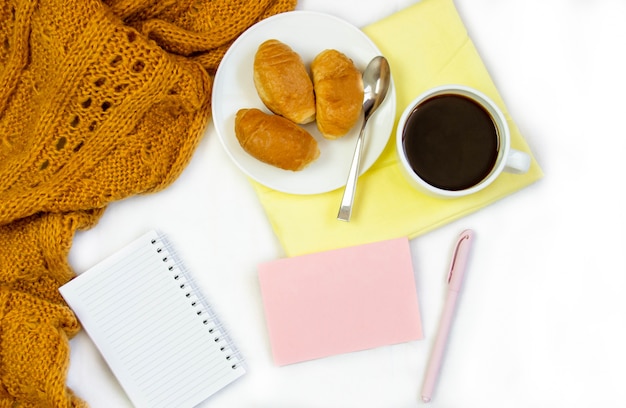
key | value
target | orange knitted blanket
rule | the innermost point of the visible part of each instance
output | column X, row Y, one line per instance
column 99, row 100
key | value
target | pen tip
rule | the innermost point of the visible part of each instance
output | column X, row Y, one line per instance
column 426, row 399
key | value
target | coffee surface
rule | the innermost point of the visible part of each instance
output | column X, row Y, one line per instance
column 451, row 142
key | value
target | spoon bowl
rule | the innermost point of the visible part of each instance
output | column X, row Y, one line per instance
column 376, row 80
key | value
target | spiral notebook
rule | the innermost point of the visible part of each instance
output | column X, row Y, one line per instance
column 156, row 331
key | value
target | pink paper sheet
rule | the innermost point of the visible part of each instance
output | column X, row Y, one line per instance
column 340, row 301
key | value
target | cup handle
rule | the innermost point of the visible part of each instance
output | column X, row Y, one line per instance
column 517, row 162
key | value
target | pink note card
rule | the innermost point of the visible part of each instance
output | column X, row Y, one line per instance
column 340, row 301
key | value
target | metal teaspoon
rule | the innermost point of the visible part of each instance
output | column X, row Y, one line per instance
column 376, row 78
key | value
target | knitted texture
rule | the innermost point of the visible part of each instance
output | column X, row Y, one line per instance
column 99, row 100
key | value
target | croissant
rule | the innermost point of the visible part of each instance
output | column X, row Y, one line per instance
column 283, row 83
column 275, row 140
column 339, row 93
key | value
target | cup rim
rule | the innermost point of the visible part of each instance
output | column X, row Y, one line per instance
column 489, row 105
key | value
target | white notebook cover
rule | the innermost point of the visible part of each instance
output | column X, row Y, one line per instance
column 156, row 332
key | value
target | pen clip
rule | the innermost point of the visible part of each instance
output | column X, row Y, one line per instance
column 464, row 239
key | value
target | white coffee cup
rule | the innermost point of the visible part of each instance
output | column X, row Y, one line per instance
column 426, row 140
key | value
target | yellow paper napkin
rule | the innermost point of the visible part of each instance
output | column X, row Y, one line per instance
column 427, row 45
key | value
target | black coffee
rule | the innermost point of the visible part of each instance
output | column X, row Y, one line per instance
column 451, row 142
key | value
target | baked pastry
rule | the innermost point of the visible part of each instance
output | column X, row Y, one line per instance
column 283, row 82
column 275, row 140
column 339, row 93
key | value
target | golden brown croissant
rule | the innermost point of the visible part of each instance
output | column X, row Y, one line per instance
column 283, row 83
column 338, row 91
column 275, row 140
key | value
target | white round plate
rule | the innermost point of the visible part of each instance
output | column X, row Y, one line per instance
column 307, row 33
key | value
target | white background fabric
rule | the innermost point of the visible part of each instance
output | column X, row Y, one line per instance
column 541, row 320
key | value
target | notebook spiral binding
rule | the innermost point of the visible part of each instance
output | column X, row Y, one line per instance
column 199, row 304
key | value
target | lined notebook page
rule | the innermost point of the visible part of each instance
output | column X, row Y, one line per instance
column 156, row 332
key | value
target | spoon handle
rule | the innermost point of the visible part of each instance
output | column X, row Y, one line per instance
column 345, row 210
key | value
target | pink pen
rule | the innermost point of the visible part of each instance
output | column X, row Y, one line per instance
column 455, row 280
